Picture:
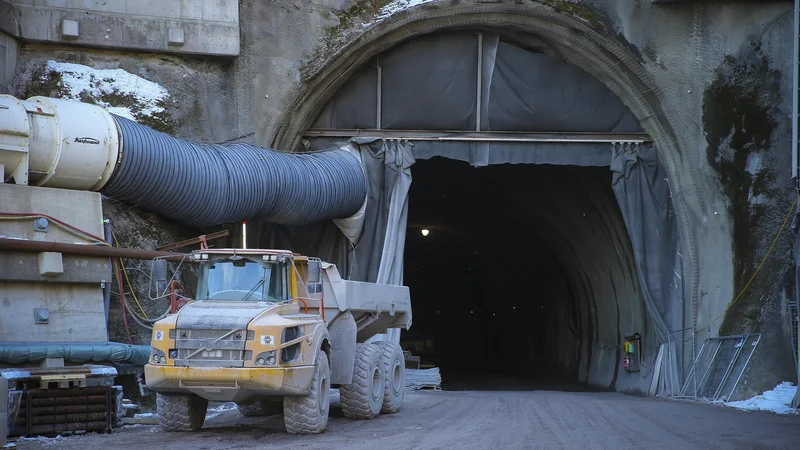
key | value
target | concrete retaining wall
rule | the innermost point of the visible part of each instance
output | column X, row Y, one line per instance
column 208, row 27
column 8, row 61
column 73, row 299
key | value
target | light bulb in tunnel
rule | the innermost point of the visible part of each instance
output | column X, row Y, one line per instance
column 425, row 232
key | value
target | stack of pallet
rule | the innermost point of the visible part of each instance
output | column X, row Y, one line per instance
column 48, row 401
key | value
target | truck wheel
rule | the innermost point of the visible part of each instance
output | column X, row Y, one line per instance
column 308, row 414
column 260, row 408
column 363, row 398
column 394, row 366
column 181, row 412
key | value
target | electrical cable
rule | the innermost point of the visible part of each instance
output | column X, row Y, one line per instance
column 125, row 272
column 122, row 299
column 73, row 229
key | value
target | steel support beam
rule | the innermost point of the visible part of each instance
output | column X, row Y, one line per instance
column 483, row 136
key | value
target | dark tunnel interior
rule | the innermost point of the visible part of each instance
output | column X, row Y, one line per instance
column 526, row 275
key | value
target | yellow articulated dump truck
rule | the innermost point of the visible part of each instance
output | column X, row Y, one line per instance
column 273, row 331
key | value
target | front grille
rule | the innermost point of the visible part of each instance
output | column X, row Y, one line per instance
column 211, row 347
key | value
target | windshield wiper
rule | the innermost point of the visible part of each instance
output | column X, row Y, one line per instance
column 251, row 291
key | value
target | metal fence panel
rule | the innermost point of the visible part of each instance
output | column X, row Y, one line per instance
column 719, row 367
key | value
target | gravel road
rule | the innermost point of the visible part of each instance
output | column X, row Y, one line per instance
column 482, row 420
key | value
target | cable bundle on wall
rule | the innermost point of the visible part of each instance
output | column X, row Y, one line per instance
column 208, row 184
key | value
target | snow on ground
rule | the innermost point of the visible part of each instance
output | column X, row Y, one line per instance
column 217, row 410
column 47, row 441
column 778, row 400
column 101, row 84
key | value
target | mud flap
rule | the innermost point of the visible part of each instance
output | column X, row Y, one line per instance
column 342, row 332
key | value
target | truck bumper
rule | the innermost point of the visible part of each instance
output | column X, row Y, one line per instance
column 230, row 384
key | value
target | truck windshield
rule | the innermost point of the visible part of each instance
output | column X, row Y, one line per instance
column 242, row 280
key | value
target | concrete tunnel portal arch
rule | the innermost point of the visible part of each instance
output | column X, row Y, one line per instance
column 592, row 271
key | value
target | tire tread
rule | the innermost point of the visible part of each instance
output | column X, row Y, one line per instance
column 355, row 397
column 301, row 413
column 181, row 412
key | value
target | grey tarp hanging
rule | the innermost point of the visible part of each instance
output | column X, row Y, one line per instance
column 796, row 400
column 377, row 256
column 398, row 159
column 430, row 83
column 642, row 191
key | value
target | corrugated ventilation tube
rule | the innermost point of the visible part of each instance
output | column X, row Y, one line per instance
column 208, row 184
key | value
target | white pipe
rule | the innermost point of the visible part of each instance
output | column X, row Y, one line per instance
column 57, row 143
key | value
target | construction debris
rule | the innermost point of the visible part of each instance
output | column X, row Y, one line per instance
column 423, row 379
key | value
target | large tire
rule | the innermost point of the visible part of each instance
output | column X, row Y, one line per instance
column 308, row 414
column 394, row 366
column 363, row 398
column 181, row 412
column 260, row 408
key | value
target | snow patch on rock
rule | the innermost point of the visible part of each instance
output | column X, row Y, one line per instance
column 395, row 7
column 753, row 164
column 111, row 88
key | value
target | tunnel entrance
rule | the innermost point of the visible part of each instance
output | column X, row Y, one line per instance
column 501, row 282
column 527, row 170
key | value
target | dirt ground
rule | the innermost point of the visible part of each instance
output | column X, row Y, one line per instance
column 478, row 420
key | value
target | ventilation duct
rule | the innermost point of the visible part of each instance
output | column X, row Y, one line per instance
column 66, row 144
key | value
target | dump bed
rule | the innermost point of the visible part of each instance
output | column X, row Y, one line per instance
column 375, row 307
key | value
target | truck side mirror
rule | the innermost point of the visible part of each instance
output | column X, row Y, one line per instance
column 160, row 270
column 314, row 272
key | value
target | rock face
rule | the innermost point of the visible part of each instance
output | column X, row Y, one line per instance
column 133, row 227
column 719, row 75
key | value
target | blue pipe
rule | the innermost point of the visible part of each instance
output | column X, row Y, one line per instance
column 76, row 352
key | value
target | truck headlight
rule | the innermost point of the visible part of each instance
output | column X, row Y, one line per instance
column 159, row 357
column 266, row 358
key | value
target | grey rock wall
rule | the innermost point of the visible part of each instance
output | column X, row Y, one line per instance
column 726, row 74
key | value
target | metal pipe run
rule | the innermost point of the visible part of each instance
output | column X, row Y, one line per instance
column 24, row 245
column 484, row 136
